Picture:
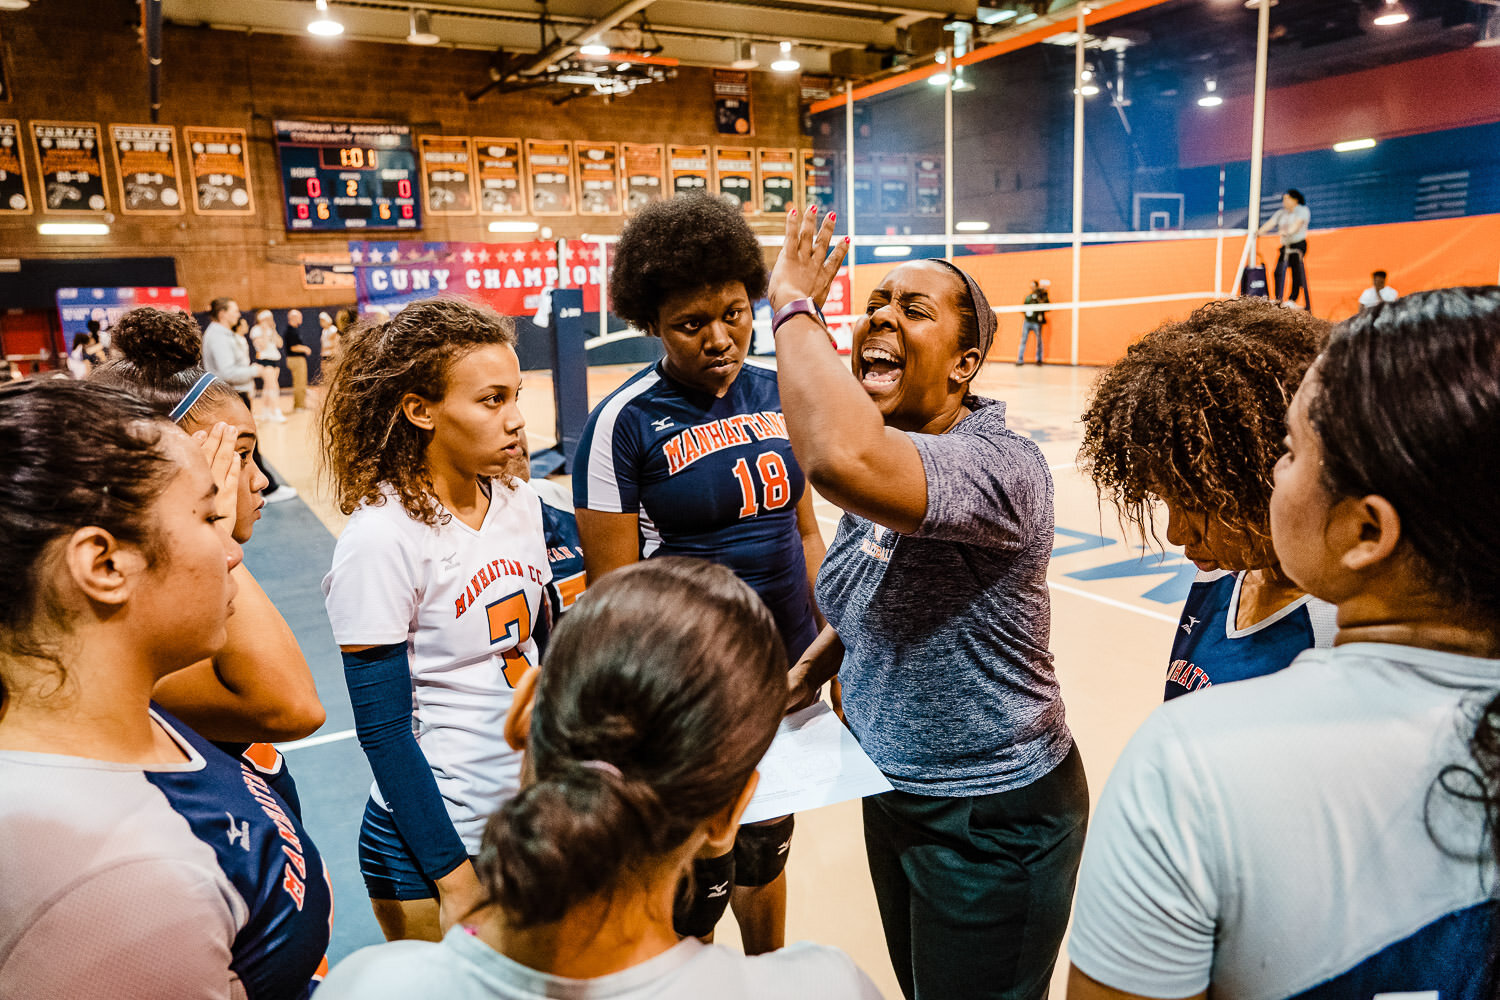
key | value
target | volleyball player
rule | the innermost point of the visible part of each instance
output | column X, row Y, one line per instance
column 564, row 547
column 258, row 689
column 436, row 587
column 642, row 733
column 138, row 860
column 1329, row 831
column 690, row 457
column 1194, row 415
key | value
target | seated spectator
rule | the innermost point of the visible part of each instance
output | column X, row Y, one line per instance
column 1378, row 291
column 642, row 733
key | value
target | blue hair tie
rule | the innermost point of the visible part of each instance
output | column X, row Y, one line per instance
column 193, row 395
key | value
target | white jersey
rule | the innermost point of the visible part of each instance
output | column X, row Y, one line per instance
column 1276, row 835
column 464, row 602
column 462, row 967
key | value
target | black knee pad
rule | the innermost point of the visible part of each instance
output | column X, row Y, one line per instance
column 703, row 897
column 760, row 852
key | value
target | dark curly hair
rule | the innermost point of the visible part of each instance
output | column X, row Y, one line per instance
column 644, row 726
column 367, row 442
column 161, row 359
column 1196, row 412
column 690, row 241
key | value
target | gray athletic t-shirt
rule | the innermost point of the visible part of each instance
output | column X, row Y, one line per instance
column 462, row 967
column 948, row 683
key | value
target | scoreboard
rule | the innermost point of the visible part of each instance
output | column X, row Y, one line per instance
column 348, row 175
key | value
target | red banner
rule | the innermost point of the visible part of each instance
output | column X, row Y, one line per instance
column 508, row 277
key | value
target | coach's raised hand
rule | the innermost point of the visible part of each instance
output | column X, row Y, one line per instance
column 806, row 266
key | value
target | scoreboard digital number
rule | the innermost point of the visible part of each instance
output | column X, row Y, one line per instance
column 348, row 175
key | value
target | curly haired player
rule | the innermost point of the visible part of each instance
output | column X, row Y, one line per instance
column 1193, row 416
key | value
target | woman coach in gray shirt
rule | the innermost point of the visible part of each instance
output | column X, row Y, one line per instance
column 935, row 592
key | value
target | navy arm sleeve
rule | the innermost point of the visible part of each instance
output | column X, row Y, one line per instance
column 379, row 681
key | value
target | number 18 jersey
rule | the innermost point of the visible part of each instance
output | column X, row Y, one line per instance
column 711, row 478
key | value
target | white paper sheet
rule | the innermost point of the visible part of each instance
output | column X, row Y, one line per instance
column 814, row 761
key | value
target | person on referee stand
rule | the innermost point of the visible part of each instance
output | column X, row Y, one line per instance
column 1034, row 319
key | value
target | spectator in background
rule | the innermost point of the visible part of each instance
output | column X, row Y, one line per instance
column 296, row 358
column 78, row 360
column 1290, row 223
column 227, row 355
column 1034, row 319
column 1378, row 291
column 328, row 339
column 268, row 359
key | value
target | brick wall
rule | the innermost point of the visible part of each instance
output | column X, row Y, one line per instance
column 81, row 60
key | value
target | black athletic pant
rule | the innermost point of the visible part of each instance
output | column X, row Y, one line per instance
column 1292, row 256
column 272, row 485
column 974, row 893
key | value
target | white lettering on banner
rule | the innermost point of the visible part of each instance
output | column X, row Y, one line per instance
column 492, row 277
column 400, row 280
column 440, row 275
column 471, row 278
column 511, row 281
column 552, row 277
column 421, row 281
column 379, row 280
column 580, row 274
column 532, row 277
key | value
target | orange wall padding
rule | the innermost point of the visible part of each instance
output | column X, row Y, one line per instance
column 1418, row 255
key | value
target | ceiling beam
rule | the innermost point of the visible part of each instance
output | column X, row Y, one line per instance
column 558, row 49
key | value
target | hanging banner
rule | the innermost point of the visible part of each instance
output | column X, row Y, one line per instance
column 15, row 194
column 864, row 187
column 71, row 163
column 447, row 174
column 811, row 90
column 929, row 185
column 549, row 174
column 327, row 270
column 734, row 167
column 146, row 167
column 732, row 103
column 598, row 178
column 220, row 162
column 507, row 277
column 778, row 172
column 76, row 306
column 820, row 179
column 687, row 167
column 643, row 175
column 893, row 176
column 500, row 188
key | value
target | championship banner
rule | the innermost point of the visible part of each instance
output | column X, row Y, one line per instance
column 598, row 178
column 507, row 277
column 812, row 89
column 447, row 174
column 500, row 188
column 864, row 186
column 76, row 306
column 146, row 168
column 327, row 270
column 929, row 185
column 71, row 163
column 820, row 179
column 893, row 175
column 220, row 161
column 732, row 103
column 549, row 174
column 643, row 175
column 734, row 167
column 687, row 169
column 778, row 173
column 15, row 194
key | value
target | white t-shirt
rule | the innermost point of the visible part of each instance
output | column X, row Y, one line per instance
column 1371, row 297
column 1270, row 836
column 462, row 967
column 465, row 603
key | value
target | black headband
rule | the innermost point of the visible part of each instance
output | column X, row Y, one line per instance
column 982, row 311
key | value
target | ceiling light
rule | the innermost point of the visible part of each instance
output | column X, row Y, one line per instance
column 892, row 251
column 1030, row 15
column 14, row 4
column 73, row 229
column 959, row 83
column 787, row 63
column 421, row 29
column 514, row 227
column 1350, row 145
column 744, row 55
column 1210, row 98
column 972, row 226
column 324, row 24
column 939, row 79
column 1393, row 13
column 989, row 15
column 594, row 48
column 622, row 67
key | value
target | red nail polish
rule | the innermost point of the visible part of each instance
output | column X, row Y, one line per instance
column 832, row 216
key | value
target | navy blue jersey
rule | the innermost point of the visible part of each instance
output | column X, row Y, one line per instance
column 223, row 892
column 564, row 549
column 265, row 760
column 1209, row 650
column 711, row 478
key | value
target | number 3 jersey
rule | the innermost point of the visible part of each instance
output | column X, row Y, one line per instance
column 711, row 478
column 464, row 602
